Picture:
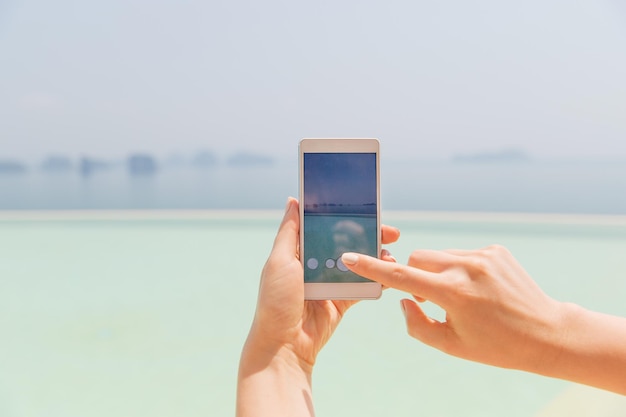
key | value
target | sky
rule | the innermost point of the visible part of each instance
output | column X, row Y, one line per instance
column 429, row 79
column 340, row 178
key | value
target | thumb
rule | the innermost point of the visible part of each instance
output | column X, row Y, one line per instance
column 423, row 328
column 286, row 241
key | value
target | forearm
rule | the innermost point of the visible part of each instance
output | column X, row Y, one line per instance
column 273, row 384
column 592, row 350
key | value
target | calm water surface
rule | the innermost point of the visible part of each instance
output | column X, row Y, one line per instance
column 537, row 186
column 123, row 316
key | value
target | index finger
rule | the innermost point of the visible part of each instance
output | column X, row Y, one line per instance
column 405, row 278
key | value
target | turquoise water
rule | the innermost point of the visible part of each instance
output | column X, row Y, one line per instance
column 328, row 236
column 124, row 316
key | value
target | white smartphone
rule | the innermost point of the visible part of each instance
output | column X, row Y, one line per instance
column 339, row 212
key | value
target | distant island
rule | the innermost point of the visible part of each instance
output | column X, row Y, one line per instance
column 136, row 164
column 141, row 164
column 10, row 166
column 88, row 166
column 248, row 158
column 503, row 156
column 57, row 163
column 340, row 209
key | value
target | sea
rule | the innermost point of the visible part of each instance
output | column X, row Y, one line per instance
column 536, row 186
column 133, row 295
column 133, row 313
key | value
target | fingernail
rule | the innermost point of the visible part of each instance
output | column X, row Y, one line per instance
column 288, row 205
column 393, row 258
column 350, row 258
column 403, row 308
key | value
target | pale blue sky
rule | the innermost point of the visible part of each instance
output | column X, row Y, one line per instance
column 430, row 79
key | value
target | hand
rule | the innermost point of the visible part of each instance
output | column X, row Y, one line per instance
column 283, row 318
column 495, row 312
column 287, row 332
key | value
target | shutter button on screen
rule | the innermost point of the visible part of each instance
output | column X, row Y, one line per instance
column 341, row 266
column 312, row 263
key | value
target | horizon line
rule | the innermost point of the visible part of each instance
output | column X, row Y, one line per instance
column 276, row 214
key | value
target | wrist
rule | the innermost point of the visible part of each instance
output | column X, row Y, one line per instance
column 546, row 341
column 260, row 353
column 592, row 349
column 559, row 354
column 273, row 381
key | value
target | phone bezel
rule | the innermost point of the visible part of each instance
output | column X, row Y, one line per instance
column 340, row 290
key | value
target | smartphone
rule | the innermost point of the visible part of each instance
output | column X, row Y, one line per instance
column 339, row 212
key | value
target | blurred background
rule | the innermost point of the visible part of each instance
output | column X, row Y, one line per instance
column 482, row 106
column 479, row 106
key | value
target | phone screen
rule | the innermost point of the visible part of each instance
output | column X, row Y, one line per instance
column 340, row 213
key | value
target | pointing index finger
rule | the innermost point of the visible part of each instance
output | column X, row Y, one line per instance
column 405, row 278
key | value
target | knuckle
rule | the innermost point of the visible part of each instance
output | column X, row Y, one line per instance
column 476, row 264
column 485, row 261
column 497, row 250
column 414, row 257
column 460, row 287
column 397, row 273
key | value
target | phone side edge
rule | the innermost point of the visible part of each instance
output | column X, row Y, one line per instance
column 300, row 200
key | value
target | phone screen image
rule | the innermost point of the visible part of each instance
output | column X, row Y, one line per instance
column 340, row 213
